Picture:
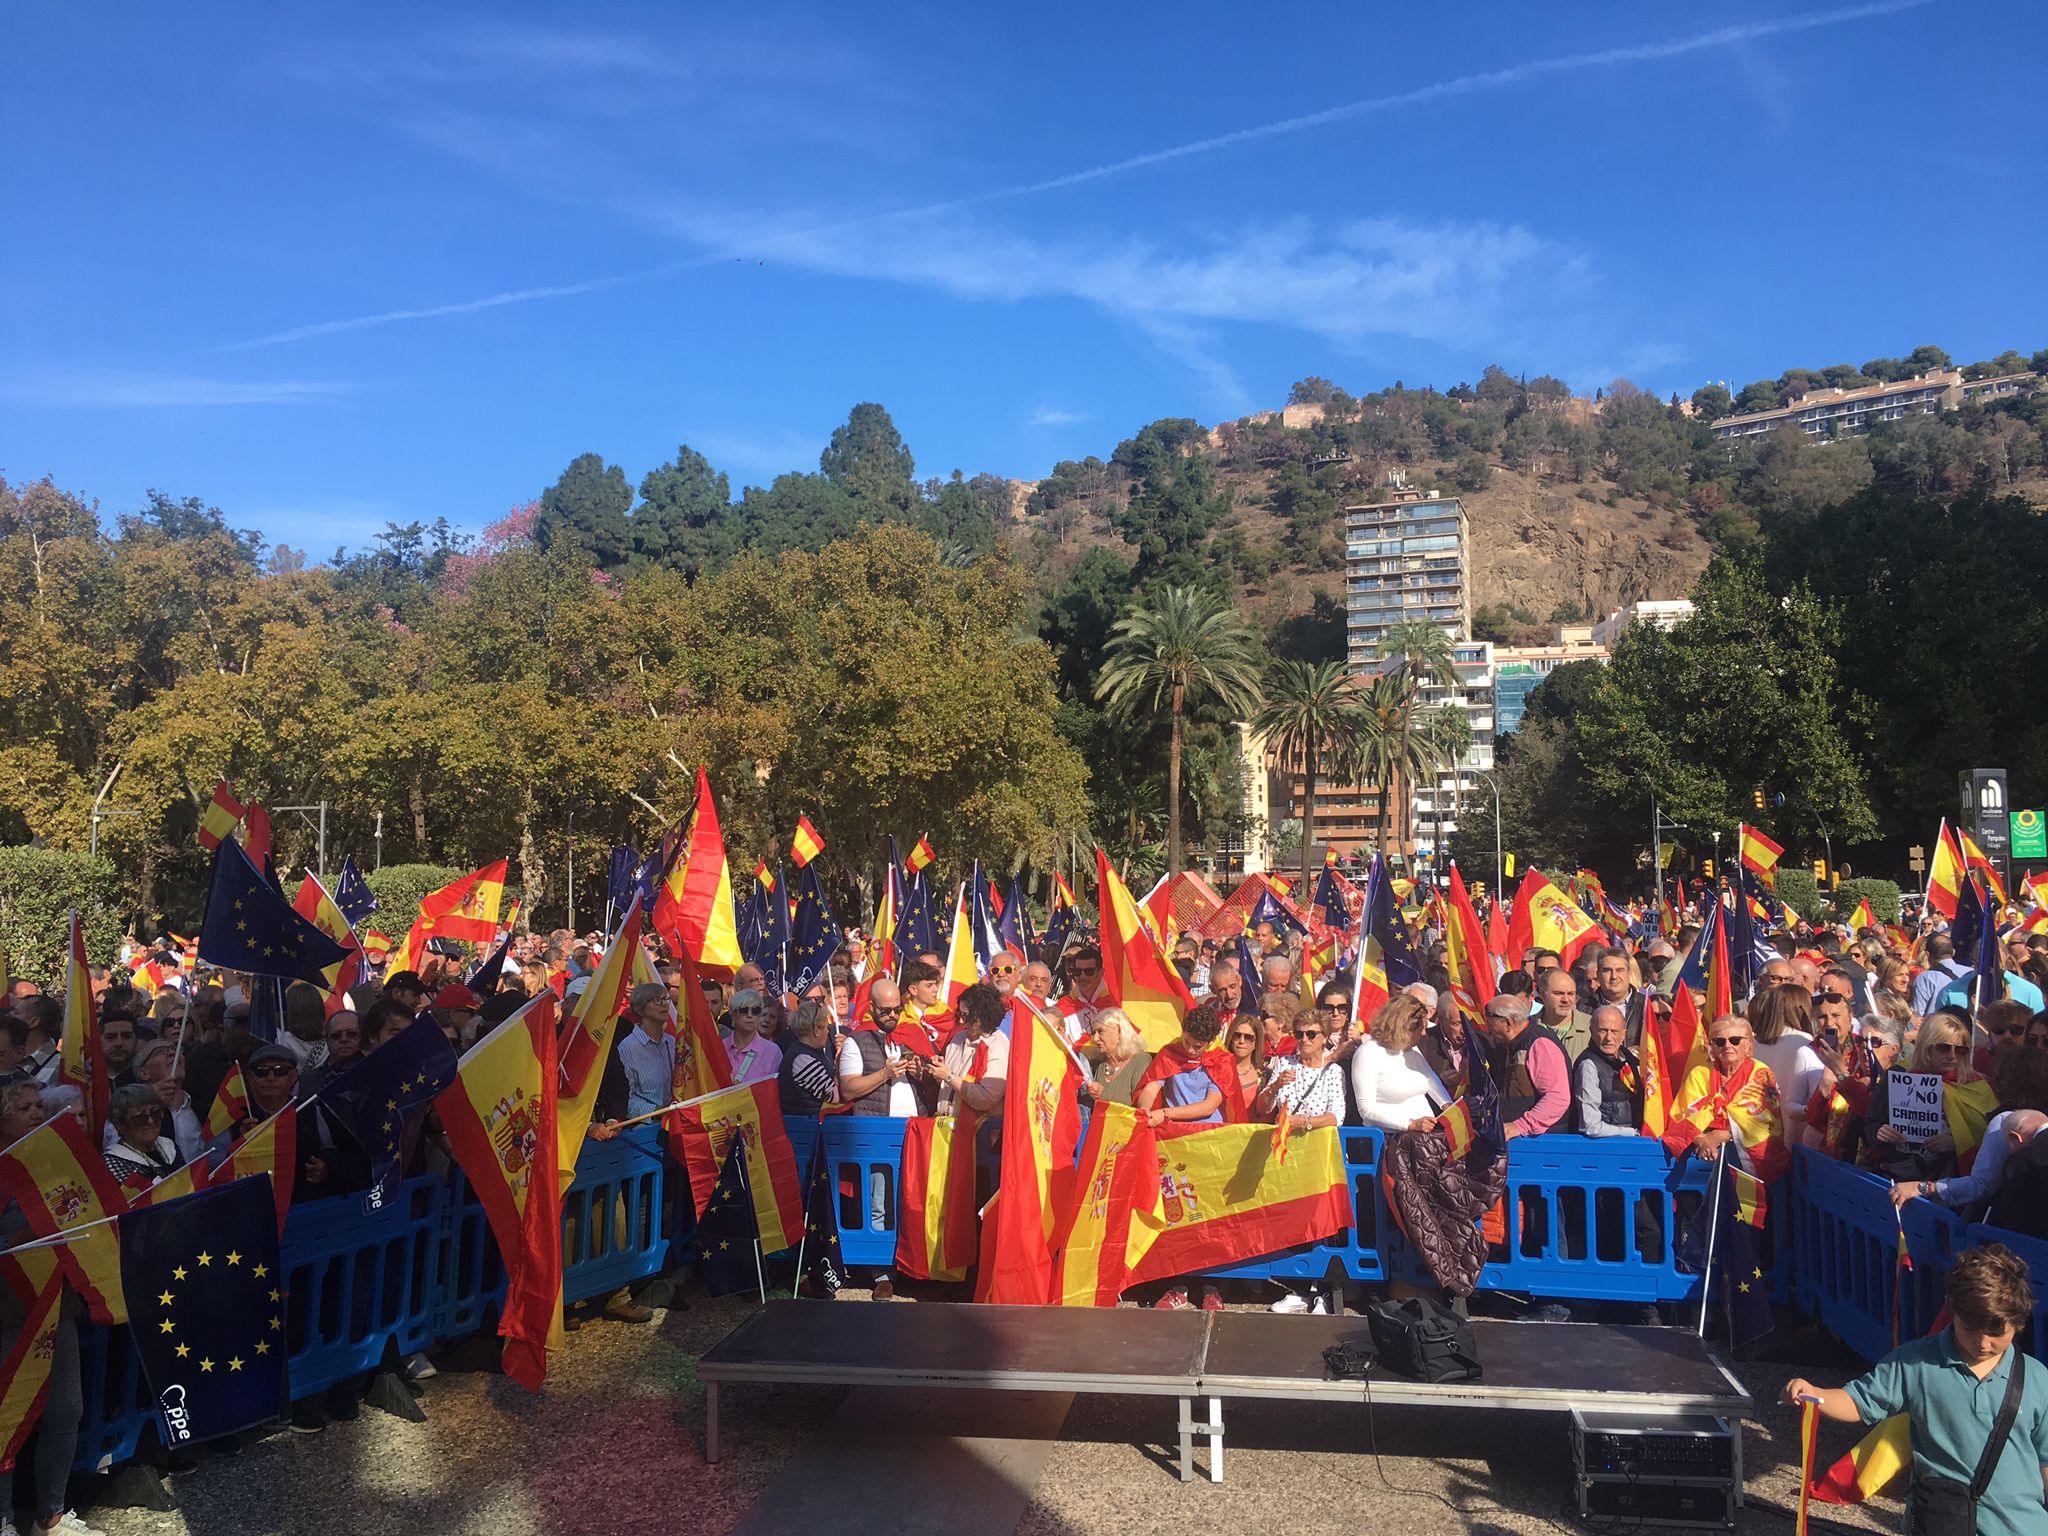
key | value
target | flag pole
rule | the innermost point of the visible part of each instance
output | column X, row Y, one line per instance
column 1713, row 1231
column 747, row 1187
column 668, row 1109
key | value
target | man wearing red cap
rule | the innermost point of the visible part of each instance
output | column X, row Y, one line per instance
column 455, row 1010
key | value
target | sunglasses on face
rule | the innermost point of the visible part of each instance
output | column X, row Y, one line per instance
column 1946, row 1048
column 886, row 1008
column 1729, row 1043
column 273, row 1069
column 1243, row 1038
column 2010, row 1032
column 1308, row 1034
column 1002, row 970
column 1083, row 970
column 750, row 1010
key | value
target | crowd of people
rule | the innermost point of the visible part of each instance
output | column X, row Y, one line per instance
column 1807, row 1051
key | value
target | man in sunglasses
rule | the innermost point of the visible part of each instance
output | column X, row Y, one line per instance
column 330, row 1162
column 1003, row 967
column 1085, row 990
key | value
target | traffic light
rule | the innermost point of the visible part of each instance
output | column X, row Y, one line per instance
column 1758, row 794
column 1820, row 871
column 1707, row 868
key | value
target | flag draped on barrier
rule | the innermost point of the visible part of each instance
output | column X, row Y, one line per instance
column 1225, row 1196
column 777, row 1194
column 935, row 1222
column 1116, row 1175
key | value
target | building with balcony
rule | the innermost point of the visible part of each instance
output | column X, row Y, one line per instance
column 1848, row 412
column 1658, row 613
column 1519, row 669
column 1407, row 558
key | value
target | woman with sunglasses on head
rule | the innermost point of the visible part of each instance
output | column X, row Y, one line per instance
column 1308, row 1088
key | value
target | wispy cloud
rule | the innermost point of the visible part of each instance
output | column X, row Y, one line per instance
column 759, row 454
column 115, row 389
column 1053, row 416
column 816, row 237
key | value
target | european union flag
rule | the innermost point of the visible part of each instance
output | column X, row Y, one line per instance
column 823, row 1262
column 206, row 1309
column 918, row 932
column 1482, row 1097
column 620, row 873
column 1330, row 897
column 483, row 980
column 1737, row 1283
column 1697, row 959
column 1059, row 928
column 814, row 936
column 249, row 926
column 1383, row 923
column 353, row 897
column 1248, row 969
column 382, row 1097
column 1267, row 909
column 1989, row 961
column 1966, row 929
column 1014, row 926
column 728, row 1236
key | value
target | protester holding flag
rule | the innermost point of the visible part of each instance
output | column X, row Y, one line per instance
column 1955, row 1390
column 1731, row 1101
column 1124, row 1058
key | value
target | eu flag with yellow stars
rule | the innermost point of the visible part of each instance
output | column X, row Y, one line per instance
column 728, row 1235
column 206, row 1309
column 813, row 936
column 384, row 1096
column 249, row 926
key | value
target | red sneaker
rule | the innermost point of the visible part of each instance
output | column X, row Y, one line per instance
column 1212, row 1299
column 1175, row 1300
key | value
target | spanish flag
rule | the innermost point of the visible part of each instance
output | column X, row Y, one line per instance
column 25, row 1373
column 1674, row 1047
column 1945, row 872
column 963, row 970
column 1114, row 1179
column 272, row 1147
column 586, row 1042
column 1456, row 1123
column 1975, row 858
column 702, row 1063
column 222, row 815
column 1759, row 854
column 1878, row 1457
column 764, row 877
column 694, row 909
column 1041, row 1125
column 317, row 907
column 1752, row 1203
column 1318, row 959
column 1465, row 956
column 882, row 959
column 754, row 1112
column 81, row 1059
column 1139, row 981
column 1063, row 893
column 1862, row 917
column 500, row 1118
column 1225, row 1197
column 464, row 909
column 808, row 843
column 411, row 949
column 922, row 855
column 62, row 1181
column 935, row 1237
column 1546, row 918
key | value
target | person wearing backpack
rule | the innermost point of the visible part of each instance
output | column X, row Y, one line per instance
column 1978, row 1406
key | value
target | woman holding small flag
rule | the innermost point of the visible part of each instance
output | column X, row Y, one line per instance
column 1732, row 1101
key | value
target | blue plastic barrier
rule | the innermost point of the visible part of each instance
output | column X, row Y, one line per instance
column 857, row 1147
column 611, row 1216
column 1847, row 1235
column 355, row 1281
column 116, row 1409
column 1357, row 1251
column 2035, row 1252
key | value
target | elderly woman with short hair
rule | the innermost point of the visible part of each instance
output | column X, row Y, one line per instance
column 140, row 1155
column 754, row 1057
column 1124, row 1057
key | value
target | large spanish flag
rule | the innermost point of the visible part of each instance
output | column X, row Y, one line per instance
column 1041, row 1124
column 1114, row 1178
column 1225, row 1195
column 586, row 1042
column 465, row 908
column 62, row 1181
column 499, row 1114
column 1138, row 979
column 316, row 906
column 1546, row 918
column 1759, row 854
column 1465, row 954
column 81, row 1059
column 1945, row 872
column 25, row 1373
column 693, row 910
column 935, row 1208
column 702, row 1062
column 1674, row 1046
column 754, row 1112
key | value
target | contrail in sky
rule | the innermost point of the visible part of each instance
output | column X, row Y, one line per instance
column 1462, row 85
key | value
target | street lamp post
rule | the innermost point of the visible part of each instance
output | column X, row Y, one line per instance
column 1499, row 864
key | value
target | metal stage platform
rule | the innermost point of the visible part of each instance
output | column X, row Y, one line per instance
column 1540, row 1367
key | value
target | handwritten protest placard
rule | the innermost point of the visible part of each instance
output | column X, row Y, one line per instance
column 1916, row 1108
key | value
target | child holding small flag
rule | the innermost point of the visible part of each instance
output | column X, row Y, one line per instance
column 1955, row 1388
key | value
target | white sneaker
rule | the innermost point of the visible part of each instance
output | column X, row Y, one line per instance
column 70, row 1525
column 419, row 1367
column 1320, row 1306
column 1291, row 1303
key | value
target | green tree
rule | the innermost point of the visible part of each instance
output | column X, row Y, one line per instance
column 586, row 509
column 867, row 459
column 1711, row 402
column 1316, row 636
column 1311, row 719
column 1423, row 656
column 1181, row 647
column 686, row 517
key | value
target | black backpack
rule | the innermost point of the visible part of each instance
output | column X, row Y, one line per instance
column 1424, row 1339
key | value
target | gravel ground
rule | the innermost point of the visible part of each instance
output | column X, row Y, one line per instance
column 612, row 1445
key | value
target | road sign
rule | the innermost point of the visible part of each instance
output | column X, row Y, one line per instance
column 1916, row 859
column 2029, row 835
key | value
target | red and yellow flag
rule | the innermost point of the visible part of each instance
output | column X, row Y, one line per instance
column 808, row 842
column 1041, row 1124
column 587, row 1041
column 1878, row 1457
column 317, row 907
column 1976, row 858
column 1862, row 917
column 754, row 1112
column 499, row 1114
column 1224, row 1197
column 1459, row 1134
column 62, row 1181
column 25, row 1373
column 411, row 949
column 1115, row 1177
column 1674, row 1047
column 935, row 1237
column 1744, row 1102
column 922, row 855
column 1945, row 872
column 1759, row 854
column 1063, row 893
column 962, row 969
column 693, row 910
column 271, row 1147
column 465, row 908
column 1138, row 979
column 230, row 1104
column 1465, row 954
column 222, row 815
column 1546, row 918
column 702, row 1062
column 81, row 1060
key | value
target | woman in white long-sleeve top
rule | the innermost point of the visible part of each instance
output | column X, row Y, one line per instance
column 1392, row 1084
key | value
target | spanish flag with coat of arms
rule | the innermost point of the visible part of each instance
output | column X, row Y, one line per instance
column 1041, row 1124
column 753, row 1111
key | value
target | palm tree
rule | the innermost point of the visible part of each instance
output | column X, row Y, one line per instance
column 1383, row 719
column 1445, row 734
column 1311, row 716
column 1176, row 650
column 1425, row 656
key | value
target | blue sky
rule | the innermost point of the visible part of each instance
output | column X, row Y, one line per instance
column 328, row 267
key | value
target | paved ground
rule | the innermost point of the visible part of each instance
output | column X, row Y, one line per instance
column 613, row 1446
